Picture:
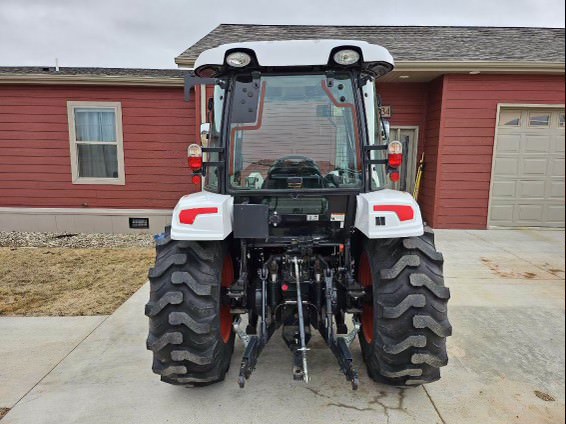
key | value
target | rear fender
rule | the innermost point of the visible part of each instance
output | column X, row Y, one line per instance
column 202, row 216
column 388, row 214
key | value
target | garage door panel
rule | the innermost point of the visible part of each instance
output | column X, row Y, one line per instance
column 555, row 190
column 537, row 144
column 509, row 143
column 533, row 166
column 504, row 189
column 531, row 189
column 530, row 212
column 502, row 213
column 506, row 166
column 557, row 167
column 555, row 214
column 558, row 145
column 528, row 170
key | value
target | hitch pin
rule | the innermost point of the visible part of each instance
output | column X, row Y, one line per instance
column 303, row 348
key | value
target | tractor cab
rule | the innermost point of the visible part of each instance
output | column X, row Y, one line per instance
column 294, row 132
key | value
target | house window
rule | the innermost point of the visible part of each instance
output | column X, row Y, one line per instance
column 561, row 119
column 97, row 153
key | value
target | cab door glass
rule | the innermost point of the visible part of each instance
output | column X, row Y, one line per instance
column 212, row 178
column 375, row 134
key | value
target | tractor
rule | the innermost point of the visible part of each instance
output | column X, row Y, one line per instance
column 297, row 225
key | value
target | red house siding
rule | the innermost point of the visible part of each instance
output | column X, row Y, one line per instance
column 408, row 103
column 456, row 116
column 411, row 105
column 467, row 134
column 35, row 168
column 427, row 196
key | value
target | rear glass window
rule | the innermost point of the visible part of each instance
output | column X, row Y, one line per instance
column 294, row 132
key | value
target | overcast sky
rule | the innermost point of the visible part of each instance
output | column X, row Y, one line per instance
column 150, row 33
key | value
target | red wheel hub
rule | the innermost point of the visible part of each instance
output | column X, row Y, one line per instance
column 364, row 275
column 225, row 315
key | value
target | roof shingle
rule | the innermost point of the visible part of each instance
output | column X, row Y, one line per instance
column 407, row 43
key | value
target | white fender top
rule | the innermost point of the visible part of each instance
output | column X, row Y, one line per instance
column 295, row 52
column 388, row 214
column 202, row 216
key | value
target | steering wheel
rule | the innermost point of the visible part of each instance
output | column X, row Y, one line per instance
column 296, row 164
column 293, row 166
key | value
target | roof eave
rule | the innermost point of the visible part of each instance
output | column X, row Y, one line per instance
column 90, row 80
column 482, row 66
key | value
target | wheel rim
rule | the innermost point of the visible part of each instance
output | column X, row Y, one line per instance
column 225, row 315
column 364, row 275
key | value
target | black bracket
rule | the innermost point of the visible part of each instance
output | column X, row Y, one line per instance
column 368, row 148
column 249, row 360
column 330, row 75
column 191, row 80
column 237, row 291
column 253, row 349
column 343, row 354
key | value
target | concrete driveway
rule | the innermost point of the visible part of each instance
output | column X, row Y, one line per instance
column 507, row 358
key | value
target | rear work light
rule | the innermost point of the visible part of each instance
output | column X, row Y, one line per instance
column 346, row 57
column 194, row 155
column 395, row 154
column 238, row 59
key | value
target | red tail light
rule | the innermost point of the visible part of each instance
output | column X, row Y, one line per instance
column 194, row 153
column 394, row 176
column 395, row 154
column 195, row 163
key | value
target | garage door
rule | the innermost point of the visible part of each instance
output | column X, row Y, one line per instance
column 528, row 171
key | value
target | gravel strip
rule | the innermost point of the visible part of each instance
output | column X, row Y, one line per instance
column 85, row 241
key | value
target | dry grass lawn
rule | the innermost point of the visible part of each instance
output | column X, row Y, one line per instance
column 63, row 281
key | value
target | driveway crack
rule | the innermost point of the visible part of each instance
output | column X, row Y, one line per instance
column 61, row 360
column 434, row 405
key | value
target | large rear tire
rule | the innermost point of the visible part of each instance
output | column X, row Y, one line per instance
column 405, row 325
column 190, row 330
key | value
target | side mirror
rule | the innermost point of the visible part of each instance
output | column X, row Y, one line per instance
column 204, row 131
column 386, row 130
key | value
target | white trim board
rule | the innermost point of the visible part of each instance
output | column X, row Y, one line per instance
column 86, row 211
column 81, row 220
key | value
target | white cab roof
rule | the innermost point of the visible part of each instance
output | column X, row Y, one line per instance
column 295, row 52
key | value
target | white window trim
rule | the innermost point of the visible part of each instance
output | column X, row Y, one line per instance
column 76, row 179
